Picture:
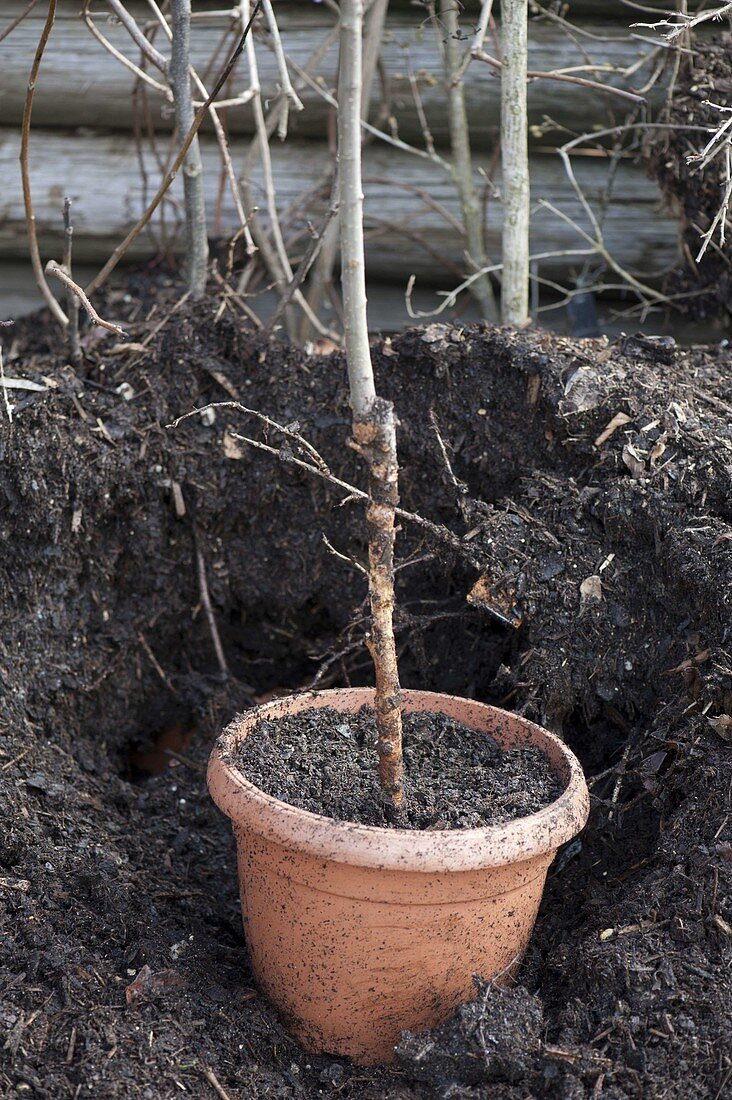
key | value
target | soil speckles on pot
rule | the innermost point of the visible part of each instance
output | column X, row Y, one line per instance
column 325, row 761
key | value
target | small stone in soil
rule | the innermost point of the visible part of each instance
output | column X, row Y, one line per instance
column 325, row 761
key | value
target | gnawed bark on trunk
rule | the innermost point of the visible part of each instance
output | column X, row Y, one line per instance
column 374, row 436
column 374, row 423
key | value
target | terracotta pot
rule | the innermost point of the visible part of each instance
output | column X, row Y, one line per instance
column 358, row 932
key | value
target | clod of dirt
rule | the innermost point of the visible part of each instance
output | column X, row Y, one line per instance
column 325, row 761
column 495, row 1038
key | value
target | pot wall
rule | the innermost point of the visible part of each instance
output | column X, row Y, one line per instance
column 357, row 933
column 353, row 956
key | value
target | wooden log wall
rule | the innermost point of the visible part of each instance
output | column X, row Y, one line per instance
column 80, row 84
column 82, row 142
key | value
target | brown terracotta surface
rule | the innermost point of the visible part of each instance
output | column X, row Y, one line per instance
column 357, row 933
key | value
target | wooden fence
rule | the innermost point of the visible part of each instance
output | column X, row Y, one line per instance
column 83, row 144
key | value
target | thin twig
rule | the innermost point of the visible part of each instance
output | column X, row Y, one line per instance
column 215, row 1084
column 220, row 135
column 287, row 92
column 306, row 263
column 318, row 467
column 18, row 19
column 208, row 610
column 343, row 557
column 566, row 78
column 462, row 162
column 119, row 56
column 72, row 301
column 3, row 387
column 30, row 218
column 52, row 268
column 171, row 174
column 146, row 47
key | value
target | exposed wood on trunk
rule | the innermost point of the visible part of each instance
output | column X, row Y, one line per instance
column 374, row 434
column 403, row 235
column 80, row 86
column 374, row 422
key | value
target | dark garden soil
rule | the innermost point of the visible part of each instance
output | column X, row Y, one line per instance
column 325, row 762
column 588, row 492
column 702, row 288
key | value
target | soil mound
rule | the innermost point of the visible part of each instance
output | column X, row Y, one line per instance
column 587, row 493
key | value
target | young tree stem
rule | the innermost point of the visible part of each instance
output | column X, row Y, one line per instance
column 374, row 423
column 72, row 302
column 193, row 196
column 515, row 160
column 462, row 161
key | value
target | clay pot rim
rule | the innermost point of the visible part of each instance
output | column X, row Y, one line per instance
column 448, row 850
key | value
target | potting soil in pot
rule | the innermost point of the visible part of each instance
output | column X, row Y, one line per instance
column 325, row 761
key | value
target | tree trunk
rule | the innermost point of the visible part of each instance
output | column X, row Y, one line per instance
column 374, row 423
column 193, row 194
column 515, row 160
column 462, row 161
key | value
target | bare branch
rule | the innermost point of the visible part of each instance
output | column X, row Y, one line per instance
column 18, row 20
column 683, row 22
column 30, row 218
column 306, row 263
column 288, row 93
column 171, row 174
column 567, row 78
column 462, row 166
column 142, row 41
column 52, row 268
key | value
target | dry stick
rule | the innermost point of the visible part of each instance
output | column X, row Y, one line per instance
column 195, row 206
column 462, row 162
column 273, row 255
column 686, row 22
column 19, row 19
column 72, row 302
column 288, row 93
column 137, row 36
column 215, row 1084
column 30, row 218
column 3, row 387
column 170, row 176
column 567, row 78
column 208, row 610
column 139, row 73
column 515, row 162
column 52, row 268
column 319, row 466
column 374, row 422
column 311, row 253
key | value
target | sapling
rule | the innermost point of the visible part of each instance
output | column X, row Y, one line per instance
column 195, row 209
column 374, row 422
column 515, row 162
column 462, row 162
